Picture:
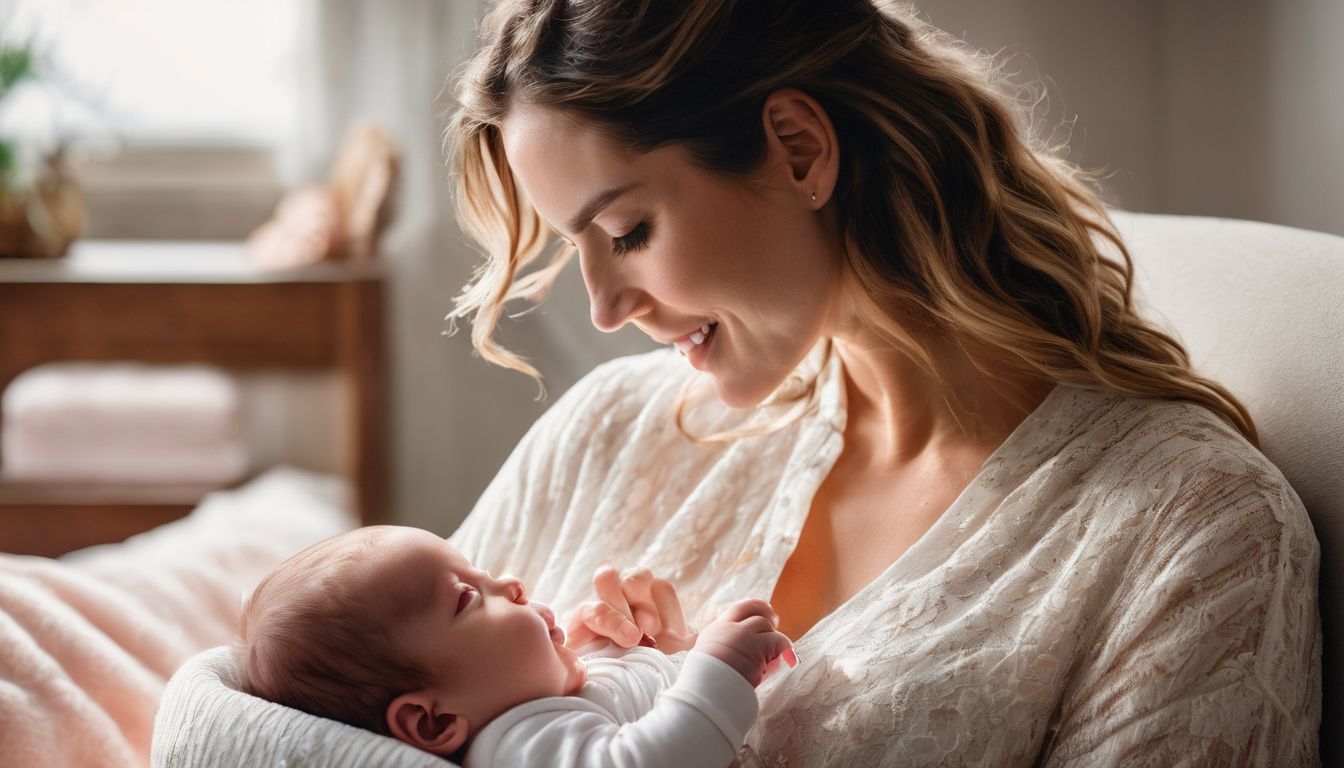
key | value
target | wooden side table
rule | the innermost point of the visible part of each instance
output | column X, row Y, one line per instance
column 158, row 302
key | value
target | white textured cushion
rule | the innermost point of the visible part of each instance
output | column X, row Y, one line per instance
column 204, row 721
column 1261, row 309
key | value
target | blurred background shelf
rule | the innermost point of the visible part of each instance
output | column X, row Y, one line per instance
column 39, row 493
column 41, row 518
column 187, row 302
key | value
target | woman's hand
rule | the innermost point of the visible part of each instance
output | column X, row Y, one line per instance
column 631, row 606
column 746, row 637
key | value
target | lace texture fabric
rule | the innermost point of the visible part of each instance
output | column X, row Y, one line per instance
column 1125, row 582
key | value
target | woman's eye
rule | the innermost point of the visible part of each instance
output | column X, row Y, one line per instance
column 632, row 241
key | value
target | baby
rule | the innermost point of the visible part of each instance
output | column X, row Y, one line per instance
column 392, row 630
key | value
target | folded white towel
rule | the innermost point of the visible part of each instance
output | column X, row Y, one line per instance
column 123, row 422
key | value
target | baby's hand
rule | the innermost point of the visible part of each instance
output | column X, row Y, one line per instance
column 633, row 608
column 744, row 636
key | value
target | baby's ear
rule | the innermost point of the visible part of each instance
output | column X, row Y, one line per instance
column 412, row 718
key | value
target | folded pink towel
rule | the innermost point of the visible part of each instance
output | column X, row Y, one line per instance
column 123, row 422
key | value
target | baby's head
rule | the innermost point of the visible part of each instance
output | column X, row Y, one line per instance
column 392, row 630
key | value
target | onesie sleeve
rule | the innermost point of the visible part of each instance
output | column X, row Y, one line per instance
column 1210, row 654
column 701, row 720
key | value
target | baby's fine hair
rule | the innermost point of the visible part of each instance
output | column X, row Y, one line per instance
column 316, row 638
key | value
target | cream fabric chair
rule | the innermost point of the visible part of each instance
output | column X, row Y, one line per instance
column 1261, row 309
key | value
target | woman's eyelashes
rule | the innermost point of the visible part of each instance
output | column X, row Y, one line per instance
column 631, row 241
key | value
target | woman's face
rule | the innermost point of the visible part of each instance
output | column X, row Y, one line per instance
column 679, row 249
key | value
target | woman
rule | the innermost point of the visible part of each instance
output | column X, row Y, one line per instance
column 1003, row 520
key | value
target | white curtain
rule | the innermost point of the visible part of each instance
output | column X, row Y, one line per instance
column 453, row 418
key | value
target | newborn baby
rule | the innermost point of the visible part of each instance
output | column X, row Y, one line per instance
column 392, row 630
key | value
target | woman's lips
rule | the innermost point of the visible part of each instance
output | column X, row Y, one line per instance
column 699, row 338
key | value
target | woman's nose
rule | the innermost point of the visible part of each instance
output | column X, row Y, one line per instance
column 614, row 298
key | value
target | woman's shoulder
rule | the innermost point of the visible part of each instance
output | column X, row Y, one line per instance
column 1146, row 434
column 1199, row 472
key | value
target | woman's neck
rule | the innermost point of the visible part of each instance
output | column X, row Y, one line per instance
column 896, row 414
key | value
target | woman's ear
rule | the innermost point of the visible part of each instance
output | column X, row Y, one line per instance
column 798, row 129
column 414, row 719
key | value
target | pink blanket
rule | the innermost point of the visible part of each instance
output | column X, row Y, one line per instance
column 88, row 641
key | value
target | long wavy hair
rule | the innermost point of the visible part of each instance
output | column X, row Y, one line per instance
column 958, row 221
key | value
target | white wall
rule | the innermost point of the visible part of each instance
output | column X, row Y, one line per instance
column 1306, row 107
column 1098, row 60
column 1209, row 107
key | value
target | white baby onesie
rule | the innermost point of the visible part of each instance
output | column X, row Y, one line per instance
column 639, row 709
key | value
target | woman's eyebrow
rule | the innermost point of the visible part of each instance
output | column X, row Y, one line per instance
column 585, row 216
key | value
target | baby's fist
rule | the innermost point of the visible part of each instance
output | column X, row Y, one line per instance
column 744, row 636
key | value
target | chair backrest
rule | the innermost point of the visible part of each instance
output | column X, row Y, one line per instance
column 1261, row 310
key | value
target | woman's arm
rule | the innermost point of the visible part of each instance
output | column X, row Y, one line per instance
column 1210, row 654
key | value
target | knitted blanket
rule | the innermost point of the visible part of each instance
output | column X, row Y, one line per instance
column 88, row 641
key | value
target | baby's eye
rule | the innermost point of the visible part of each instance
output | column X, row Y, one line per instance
column 465, row 597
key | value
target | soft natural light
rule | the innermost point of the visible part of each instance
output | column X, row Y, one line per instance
column 159, row 71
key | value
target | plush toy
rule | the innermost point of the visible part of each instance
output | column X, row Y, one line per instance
column 340, row 220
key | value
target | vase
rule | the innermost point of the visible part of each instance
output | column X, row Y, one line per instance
column 41, row 221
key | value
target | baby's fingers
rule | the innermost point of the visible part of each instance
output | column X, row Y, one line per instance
column 778, row 648
column 605, row 621
column 744, row 609
column 636, row 587
column 607, row 584
column 577, row 634
column 669, row 607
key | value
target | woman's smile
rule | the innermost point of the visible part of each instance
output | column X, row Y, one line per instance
column 694, row 346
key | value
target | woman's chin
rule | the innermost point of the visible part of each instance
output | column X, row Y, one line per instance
column 743, row 394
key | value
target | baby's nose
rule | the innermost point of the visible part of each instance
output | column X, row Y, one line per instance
column 513, row 587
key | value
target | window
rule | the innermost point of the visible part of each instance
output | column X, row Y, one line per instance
column 174, row 112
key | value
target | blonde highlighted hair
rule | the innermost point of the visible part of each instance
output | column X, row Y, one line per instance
column 957, row 221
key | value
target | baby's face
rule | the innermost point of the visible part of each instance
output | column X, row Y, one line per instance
column 484, row 643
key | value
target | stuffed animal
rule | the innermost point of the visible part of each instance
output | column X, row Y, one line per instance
column 338, row 221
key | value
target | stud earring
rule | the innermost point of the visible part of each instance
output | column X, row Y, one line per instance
column 814, row 196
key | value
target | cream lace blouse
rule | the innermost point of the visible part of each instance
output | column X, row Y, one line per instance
column 1125, row 582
